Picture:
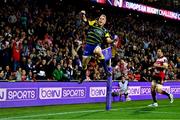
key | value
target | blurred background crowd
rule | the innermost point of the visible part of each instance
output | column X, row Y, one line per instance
column 44, row 40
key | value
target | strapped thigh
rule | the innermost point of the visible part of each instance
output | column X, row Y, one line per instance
column 159, row 88
column 98, row 51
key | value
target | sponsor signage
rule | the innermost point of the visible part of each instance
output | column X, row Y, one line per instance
column 145, row 90
column 50, row 93
column 62, row 92
column 2, row 94
column 134, row 90
column 73, row 92
column 97, row 92
column 141, row 8
column 175, row 90
column 152, row 10
column 22, row 94
column 18, row 94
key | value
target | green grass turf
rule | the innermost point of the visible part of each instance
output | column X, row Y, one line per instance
column 120, row 110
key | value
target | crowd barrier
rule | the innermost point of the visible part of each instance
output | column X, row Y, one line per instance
column 21, row 94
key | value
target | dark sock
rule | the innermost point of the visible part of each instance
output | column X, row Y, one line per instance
column 103, row 62
column 153, row 93
column 126, row 95
column 165, row 93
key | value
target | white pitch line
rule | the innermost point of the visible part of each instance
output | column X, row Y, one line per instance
column 90, row 111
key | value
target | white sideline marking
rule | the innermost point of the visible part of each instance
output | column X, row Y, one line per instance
column 90, row 111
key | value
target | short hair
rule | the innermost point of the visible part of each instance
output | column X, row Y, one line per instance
column 123, row 75
column 103, row 15
column 162, row 50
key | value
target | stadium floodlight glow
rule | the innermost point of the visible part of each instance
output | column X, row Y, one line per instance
column 141, row 8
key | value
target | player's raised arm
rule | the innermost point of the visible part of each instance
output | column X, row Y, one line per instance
column 84, row 18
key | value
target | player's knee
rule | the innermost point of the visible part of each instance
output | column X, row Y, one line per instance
column 159, row 89
column 98, row 50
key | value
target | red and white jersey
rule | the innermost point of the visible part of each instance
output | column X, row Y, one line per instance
column 160, row 61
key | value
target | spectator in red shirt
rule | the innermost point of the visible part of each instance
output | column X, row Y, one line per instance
column 16, row 50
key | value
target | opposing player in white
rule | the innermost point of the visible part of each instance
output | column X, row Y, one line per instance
column 158, row 76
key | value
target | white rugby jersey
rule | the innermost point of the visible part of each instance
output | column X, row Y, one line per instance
column 160, row 61
column 123, row 86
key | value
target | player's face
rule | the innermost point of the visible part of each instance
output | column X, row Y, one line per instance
column 102, row 20
column 159, row 53
column 123, row 79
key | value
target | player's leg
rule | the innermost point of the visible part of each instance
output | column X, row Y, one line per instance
column 120, row 96
column 153, row 93
column 127, row 98
column 88, row 52
column 98, row 51
column 161, row 91
column 159, row 87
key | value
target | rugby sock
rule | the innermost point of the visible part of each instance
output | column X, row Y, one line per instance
column 153, row 93
column 165, row 93
column 126, row 95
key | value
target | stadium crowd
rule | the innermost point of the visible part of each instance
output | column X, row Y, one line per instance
column 45, row 40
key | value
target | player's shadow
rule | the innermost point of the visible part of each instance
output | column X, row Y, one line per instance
column 144, row 110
